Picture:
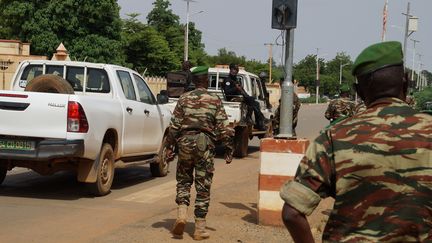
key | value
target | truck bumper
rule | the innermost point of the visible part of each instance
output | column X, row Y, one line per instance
column 47, row 149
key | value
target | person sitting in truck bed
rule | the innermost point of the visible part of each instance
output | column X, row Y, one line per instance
column 232, row 88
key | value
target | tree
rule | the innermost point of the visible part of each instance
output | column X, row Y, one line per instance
column 89, row 29
column 168, row 24
column 146, row 48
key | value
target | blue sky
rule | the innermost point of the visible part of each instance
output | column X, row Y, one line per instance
column 243, row 26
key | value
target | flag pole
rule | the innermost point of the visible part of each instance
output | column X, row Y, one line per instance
column 385, row 16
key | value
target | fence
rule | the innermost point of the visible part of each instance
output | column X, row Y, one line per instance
column 156, row 84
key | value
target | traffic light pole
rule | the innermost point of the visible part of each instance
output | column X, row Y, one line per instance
column 287, row 90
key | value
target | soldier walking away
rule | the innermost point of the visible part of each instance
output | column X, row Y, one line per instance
column 198, row 121
column 377, row 164
column 232, row 87
column 341, row 107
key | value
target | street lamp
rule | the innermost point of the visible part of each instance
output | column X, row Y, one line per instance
column 340, row 72
column 317, row 76
column 186, row 45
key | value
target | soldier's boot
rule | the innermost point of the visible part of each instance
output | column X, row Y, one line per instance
column 200, row 230
column 180, row 222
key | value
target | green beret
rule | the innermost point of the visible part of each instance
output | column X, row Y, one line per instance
column 345, row 88
column 378, row 56
column 200, row 70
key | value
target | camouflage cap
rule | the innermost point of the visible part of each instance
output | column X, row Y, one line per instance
column 200, row 70
column 378, row 56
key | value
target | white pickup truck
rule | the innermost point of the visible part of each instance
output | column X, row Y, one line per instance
column 84, row 117
column 237, row 111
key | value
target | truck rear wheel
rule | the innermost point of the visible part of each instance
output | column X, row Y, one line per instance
column 105, row 172
column 49, row 83
column 241, row 142
column 160, row 167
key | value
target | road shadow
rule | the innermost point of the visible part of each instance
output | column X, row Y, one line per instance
column 168, row 224
column 64, row 185
column 131, row 176
column 252, row 208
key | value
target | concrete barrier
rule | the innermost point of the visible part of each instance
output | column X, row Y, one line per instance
column 279, row 161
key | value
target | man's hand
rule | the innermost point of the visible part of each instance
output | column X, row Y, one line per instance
column 169, row 155
column 238, row 87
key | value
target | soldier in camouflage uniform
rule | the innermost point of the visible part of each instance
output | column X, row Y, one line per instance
column 359, row 108
column 296, row 108
column 198, row 121
column 340, row 107
column 377, row 164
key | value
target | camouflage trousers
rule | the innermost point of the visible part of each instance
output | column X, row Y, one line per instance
column 196, row 153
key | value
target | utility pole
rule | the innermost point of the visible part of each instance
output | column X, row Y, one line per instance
column 317, row 84
column 418, row 70
column 270, row 45
column 414, row 53
column 186, row 44
column 407, row 14
column 340, row 72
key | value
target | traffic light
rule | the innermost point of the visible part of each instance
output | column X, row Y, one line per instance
column 284, row 14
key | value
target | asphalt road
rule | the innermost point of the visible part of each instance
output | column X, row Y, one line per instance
column 140, row 208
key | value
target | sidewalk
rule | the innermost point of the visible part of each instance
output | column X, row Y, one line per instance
column 232, row 215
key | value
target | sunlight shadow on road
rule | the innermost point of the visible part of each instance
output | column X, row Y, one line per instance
column 251, row 217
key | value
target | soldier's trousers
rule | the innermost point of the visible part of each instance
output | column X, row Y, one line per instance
column 196, row 154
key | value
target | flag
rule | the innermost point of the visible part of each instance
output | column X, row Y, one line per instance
column 385, row 15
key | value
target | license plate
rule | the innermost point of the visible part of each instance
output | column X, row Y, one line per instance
column 17, row 145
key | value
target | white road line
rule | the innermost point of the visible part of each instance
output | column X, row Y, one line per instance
column 151, row 195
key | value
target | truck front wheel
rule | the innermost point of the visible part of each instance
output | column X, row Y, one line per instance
column 105, row 172
column 160, row 167
column 241, row 142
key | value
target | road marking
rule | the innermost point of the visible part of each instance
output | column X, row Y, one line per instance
column 151, row 195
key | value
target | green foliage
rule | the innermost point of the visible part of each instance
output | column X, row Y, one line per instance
column 312, row 100
column 89, row 29
column 422, row 97
column 146, row 48
column 164, row 21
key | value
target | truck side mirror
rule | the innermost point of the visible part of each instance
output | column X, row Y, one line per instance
column 162, row 97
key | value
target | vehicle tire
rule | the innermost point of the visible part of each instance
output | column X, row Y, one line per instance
column 49, row 83
column 105, row 172
column 161, row 166
column 3, row 171
column 241, row 142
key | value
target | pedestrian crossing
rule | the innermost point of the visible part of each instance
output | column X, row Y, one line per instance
column 151, row 195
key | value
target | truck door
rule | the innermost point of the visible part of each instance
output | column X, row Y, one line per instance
column 153, row 123
column 133, row 129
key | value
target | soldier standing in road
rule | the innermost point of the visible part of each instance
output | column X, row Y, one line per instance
column 232, row 87
column 340, row 107
column 198, row 121
column 377, row 164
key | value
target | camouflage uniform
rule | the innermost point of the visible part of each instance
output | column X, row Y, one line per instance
column 199, row 119
column 411, row 101
column 339, row 108
column 378, row 166
column 359, row 108
column 296, row 108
